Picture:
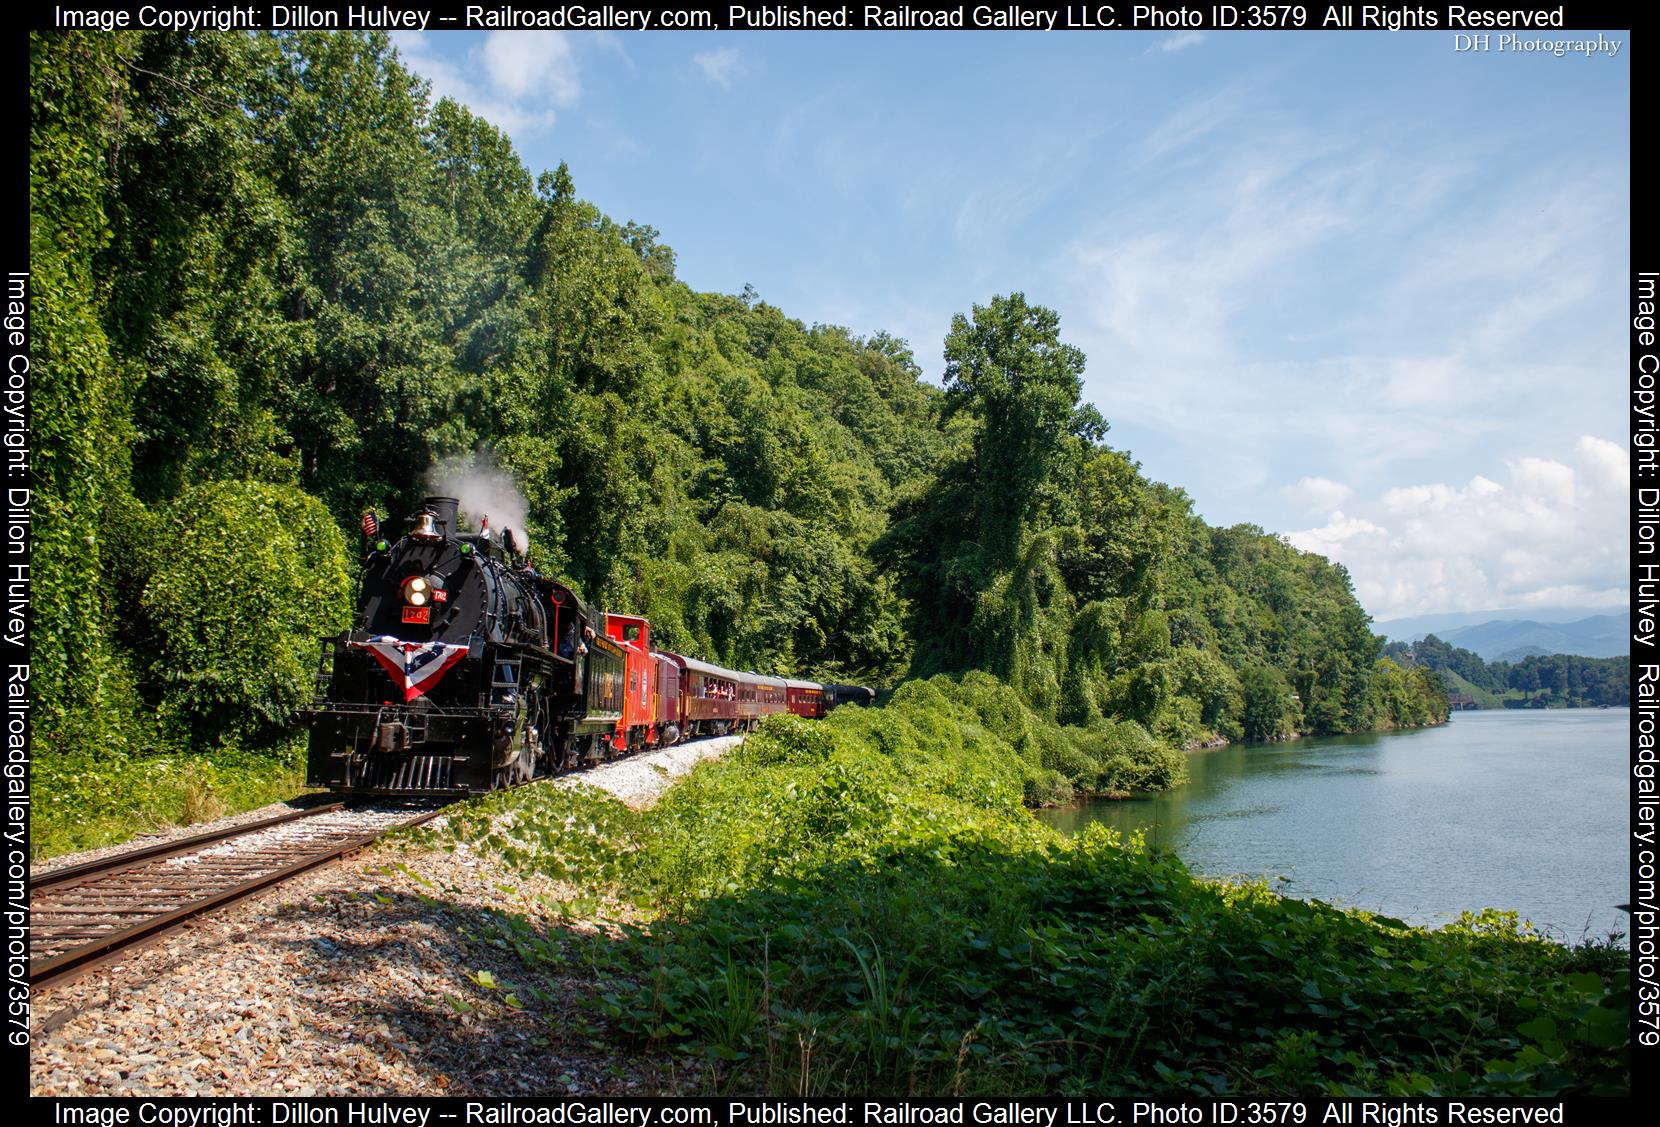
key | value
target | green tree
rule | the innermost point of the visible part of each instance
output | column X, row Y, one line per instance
column 1009, row 370
column 204, row 266
column 82, row 427
column 1271, row 710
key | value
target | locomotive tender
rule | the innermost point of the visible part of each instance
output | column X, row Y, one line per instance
column 469, row 671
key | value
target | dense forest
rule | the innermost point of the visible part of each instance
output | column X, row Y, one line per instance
column 276, row 285
column 1554, row 681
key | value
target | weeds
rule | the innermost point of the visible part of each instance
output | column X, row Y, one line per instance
column 83, row 802
column 865, row 906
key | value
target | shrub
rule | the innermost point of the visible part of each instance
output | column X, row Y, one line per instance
column 248, row 577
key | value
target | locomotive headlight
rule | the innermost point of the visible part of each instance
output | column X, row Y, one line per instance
column 417, row 592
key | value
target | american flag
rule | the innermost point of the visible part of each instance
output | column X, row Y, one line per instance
column 415, row 667
column 371, row 523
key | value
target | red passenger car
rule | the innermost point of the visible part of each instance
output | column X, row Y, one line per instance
column 670, row 697
column 759, row 696
column 805, row 698
column 670, row 722
column 708, row 696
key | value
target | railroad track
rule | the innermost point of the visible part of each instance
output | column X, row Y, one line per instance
column 84, row 916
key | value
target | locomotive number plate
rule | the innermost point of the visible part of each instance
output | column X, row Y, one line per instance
column 417, row 614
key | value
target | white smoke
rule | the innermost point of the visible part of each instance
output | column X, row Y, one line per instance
column 484, row 490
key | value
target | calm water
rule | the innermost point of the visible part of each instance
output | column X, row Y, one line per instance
column 1496, row 809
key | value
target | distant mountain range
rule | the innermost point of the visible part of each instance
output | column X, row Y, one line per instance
column 1512, row 639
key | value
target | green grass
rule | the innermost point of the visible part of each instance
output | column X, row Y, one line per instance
column 84, row 802
column 1458, row 684
column 865, row 905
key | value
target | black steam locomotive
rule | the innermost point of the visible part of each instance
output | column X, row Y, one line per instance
column 469, row 671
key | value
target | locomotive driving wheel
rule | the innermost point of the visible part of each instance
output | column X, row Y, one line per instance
column 522, row 767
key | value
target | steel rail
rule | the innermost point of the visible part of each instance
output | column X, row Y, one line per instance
column 75, row 874
column 59, row 969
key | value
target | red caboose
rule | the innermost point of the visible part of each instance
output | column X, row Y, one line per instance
column 638, row 726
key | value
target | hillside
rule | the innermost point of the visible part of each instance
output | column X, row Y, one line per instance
column 1413, row 627
column 279, row 286
column 1603, row 635
column 1548, row 681
column 1457, row 683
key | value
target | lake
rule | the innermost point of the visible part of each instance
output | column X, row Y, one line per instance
column 1503, row 809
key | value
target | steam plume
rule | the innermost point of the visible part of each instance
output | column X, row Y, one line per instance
column 484, row 489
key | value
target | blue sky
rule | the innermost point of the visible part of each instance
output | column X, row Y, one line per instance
column 1362, row 289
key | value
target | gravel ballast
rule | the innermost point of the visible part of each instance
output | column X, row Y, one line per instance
column 375, row 975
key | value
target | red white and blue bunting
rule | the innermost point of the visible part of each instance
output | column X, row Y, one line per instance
column 415, row 667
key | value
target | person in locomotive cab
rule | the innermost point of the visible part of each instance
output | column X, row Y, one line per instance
column 569, row 645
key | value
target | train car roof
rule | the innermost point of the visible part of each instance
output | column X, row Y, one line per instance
column 748, row 678
column 794, row 684
column 704, row 667
column 742, row 678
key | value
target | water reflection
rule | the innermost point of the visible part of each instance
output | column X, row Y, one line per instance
column 1512, row 810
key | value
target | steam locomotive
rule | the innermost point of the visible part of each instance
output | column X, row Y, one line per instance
column 469, row 671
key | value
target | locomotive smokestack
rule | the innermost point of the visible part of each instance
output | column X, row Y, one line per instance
column 444, row 512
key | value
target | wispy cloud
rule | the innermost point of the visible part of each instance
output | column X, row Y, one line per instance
column 719, row 66
column 532, row 65
column 1180, row 41
column 1198, row 118
column 1424, row 330
column 516, row 80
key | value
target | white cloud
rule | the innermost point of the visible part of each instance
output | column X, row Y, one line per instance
column 1427, row 341
column 1179, row 41
column 1317, row 494
column 1607, row 465
column 532, row 64
column 1540, row 478
column 1553, row 533
column 513, row 79
column 719, row 66
column 1335, row 535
